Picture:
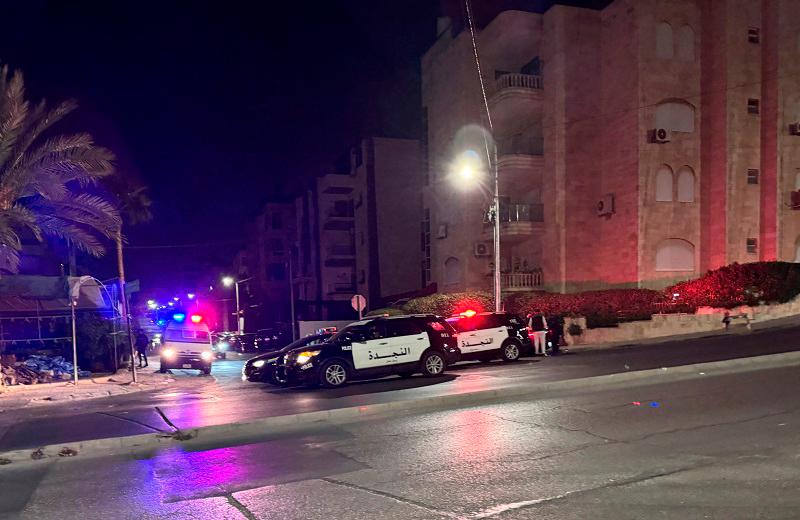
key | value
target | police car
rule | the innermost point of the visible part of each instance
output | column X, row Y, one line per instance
column 376, row 347
column 261, row 368
column 490, row 335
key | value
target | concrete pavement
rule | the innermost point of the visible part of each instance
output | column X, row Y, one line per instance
column 719, row 447
column 202, row 401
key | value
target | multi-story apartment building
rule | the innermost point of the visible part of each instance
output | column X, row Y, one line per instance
column 388, row 209
column 638, row 144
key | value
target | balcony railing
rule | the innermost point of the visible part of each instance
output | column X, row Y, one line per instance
column 341, row 288
column 520, row 144
column 519, row 213
column 518, row 81
column 342, row 250
column 521, row 281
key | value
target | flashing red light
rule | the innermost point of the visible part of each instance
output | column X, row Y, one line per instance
column 196, row 318
column 468, row 313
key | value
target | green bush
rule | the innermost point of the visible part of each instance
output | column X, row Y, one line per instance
column 449, row 304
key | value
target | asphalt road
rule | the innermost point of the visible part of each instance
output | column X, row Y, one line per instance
column 723, row 447
column 196, row 400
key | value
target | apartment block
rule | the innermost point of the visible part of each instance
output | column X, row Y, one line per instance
column 638, row 145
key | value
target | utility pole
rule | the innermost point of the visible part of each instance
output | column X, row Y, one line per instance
column 497, row 288
column 124, row 301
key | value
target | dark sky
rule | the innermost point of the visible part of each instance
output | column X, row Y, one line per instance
column 220, row 106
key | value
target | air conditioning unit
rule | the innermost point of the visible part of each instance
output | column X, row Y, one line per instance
column 794, row 129
column 660, row 135
column 795, row 199
column 605, row 206
column 441, row 232
column 482, row 249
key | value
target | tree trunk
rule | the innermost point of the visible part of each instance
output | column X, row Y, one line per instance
column 124, row 301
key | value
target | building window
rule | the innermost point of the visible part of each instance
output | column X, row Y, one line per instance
column 753, row 106
column 752, row 245
column 685, row 43
column 453, row 273
column 276, row 272
column 685, row 184
column 754, row 35
column 752, row 176
column 664, row 184
column 425, row 247
column 664, row 45
column 676, row 116
column 675, row 254
column 277, row 221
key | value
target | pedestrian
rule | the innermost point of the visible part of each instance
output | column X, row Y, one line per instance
column 538, row 326
column 141, row 348
column 556, row 326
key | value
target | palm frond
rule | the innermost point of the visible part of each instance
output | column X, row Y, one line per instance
column 13, row 113
column 21, row 217
column 82, row 239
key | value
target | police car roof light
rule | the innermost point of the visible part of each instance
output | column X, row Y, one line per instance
column 196, row 318
column 468, row 313
column 179, row 317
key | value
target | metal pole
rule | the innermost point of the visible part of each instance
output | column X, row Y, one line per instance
column 238, row 312
column 497, row 289
column 72, row 303
column 226, row 317
column 291, row 297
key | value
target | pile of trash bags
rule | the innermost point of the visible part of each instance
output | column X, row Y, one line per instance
column 40, row 369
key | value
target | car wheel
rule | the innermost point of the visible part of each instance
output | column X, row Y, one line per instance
column 433, row 364
column 333, row 373
column 405, row 375
column 207, row 370
column 510, row 351
column 162, row 370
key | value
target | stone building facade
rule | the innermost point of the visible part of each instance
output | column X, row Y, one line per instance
column 674, row 116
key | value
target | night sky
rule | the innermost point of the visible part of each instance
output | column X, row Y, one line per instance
column 219, row 107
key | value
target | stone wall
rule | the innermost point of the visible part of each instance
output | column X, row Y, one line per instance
column 706, row 319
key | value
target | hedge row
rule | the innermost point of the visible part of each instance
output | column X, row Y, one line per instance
column 727, row 287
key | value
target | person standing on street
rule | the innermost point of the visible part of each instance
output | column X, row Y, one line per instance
column 141, row 348
column 556, row 326
column 538, row 325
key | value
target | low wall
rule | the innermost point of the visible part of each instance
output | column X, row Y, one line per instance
column 706, row 319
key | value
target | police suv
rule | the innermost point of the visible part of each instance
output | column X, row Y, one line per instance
column 370, row 348
column 489, row 335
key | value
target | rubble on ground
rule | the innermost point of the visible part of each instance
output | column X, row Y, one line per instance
column 39, row 369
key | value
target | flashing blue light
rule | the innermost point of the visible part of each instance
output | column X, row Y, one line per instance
column 179, row 317
column 161, row 322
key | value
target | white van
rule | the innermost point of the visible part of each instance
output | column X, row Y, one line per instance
column 186, row 344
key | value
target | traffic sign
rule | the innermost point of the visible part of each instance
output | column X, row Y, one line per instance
column 359, row 303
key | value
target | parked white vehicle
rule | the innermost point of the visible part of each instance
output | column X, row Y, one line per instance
column 186, row 344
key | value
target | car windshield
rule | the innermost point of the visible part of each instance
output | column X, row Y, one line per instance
column 357, row 328
column 308, row 340
column 187, row 336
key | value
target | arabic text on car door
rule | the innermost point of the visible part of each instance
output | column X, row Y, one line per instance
column 375, row 349
column 408, row 340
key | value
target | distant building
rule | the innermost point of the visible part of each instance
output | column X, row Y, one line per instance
column 638, row 145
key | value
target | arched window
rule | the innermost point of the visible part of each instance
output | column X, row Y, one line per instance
column 675, row 254
column 452, row 271
column 664, row 49
column 677, row 116
column 664, row 184
column 685, row 43
column 685, row 184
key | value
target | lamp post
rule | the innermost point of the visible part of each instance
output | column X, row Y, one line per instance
column 468, row 169
column 228, row 281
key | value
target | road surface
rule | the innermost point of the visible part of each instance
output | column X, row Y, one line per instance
column 197, row 400
column 723, row 447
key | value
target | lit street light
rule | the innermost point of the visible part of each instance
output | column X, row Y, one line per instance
column 227, row 281
column 467, row 168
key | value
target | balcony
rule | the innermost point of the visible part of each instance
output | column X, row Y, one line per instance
column 520, row 144
column 342, row 250
column 341, row 288
column 512, row 282
column 518, row 222
column 517, row 97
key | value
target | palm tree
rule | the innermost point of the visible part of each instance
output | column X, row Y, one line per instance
column 46, row 183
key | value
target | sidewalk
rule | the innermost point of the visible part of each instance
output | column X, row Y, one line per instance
column 19, row 396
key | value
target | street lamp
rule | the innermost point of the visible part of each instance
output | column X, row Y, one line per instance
column 467, row 168
column 227, row 281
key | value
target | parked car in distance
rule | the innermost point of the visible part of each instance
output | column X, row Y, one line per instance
column 372, row 348
column 483, row 336
column 262, row 367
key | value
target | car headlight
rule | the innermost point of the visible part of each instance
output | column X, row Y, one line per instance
column 259, row 363
column 206, row 355
column 303, row 357
column 168, row 353
column 224, row 345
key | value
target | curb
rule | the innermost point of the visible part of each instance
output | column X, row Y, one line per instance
column 234, row 432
